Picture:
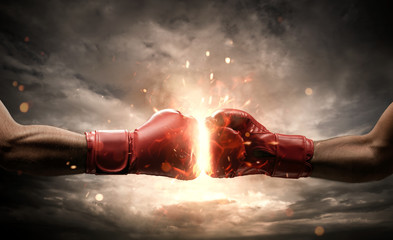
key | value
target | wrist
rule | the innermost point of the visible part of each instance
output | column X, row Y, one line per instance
column 293, row 156
column 108, row 151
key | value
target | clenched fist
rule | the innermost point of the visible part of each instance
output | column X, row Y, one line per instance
column 163, row 146
column 240, row 145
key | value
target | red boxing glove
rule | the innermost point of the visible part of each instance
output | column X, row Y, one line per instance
column 163, row 146
column 240, row 146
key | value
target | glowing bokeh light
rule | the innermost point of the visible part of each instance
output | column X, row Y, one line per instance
column 99, row 197
column 319, row 231
column 24, row 107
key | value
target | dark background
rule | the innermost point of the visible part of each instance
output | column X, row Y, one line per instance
column 88, row 65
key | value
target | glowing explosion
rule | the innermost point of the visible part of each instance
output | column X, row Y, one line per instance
column 197, row 95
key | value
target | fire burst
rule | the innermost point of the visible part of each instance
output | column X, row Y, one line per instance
column 203, row 147
column 198, row 94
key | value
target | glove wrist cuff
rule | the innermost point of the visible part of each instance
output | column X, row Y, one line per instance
column 108, row 151
column 294, row 153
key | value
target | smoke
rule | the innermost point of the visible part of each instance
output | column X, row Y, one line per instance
column 316, row 69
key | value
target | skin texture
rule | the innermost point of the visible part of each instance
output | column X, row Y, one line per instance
column 40, row 150
column 50, row 151
column 362, row 158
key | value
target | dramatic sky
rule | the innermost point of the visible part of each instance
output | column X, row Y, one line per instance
column 317, row 68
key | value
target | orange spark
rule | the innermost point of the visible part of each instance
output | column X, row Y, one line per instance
column 319, row 231
column 226, row 98
column 247, row 79
column 24, row 107
column 166, row 167
column 308, row 91
column 248, row 164
column 246, row 103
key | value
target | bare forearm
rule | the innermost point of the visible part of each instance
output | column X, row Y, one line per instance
column 347, row 159
column 357, row 158
column 44, row 150
column 40, row 150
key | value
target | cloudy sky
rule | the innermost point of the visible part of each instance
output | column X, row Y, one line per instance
column 320, row 69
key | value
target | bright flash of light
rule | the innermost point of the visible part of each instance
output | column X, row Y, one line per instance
column 202, row 142
column 99, row 197
column 203, row 156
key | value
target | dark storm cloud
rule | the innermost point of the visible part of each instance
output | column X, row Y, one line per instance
column 85, row 63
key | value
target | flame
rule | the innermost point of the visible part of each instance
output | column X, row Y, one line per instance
column 203, row 156
column 202, row 144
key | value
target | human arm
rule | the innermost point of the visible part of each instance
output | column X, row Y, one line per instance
column 360, row 158
column 162, row 146
column 40, row 150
